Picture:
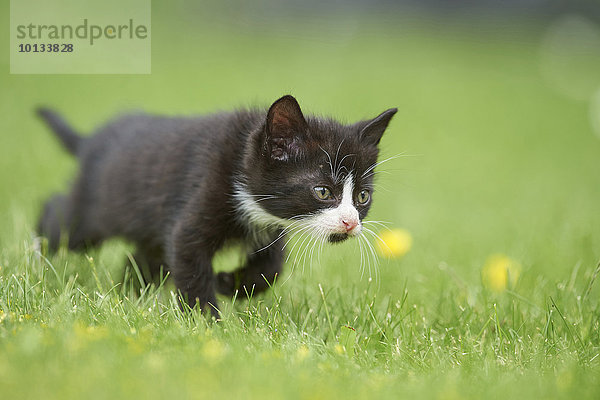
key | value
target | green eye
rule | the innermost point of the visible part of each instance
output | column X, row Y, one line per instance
column 363, row 197
column 322, row 193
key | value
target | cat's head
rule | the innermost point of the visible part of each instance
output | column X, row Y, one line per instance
column 311, row 173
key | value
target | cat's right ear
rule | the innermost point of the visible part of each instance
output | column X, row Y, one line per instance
column 284, row 129
column 371, row 131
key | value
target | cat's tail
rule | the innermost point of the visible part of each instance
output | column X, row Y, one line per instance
column 69, row 138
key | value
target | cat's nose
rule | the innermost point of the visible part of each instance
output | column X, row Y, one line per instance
column 349, row 224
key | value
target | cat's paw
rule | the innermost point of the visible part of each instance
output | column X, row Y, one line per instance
column 226, row 283
column 206, row 303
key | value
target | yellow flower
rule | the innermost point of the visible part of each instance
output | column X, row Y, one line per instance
column 500, row 272
column 394, row 243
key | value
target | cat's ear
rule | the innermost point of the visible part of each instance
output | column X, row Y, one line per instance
column 285, row 128
column 372, row 130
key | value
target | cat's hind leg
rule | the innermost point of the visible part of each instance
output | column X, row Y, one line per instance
column 150, row 264
column 64, row 217
column 52, row 221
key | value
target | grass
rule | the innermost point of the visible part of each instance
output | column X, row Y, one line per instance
column 496, row 161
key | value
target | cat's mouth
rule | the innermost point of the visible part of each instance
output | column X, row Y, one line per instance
column 338, row 237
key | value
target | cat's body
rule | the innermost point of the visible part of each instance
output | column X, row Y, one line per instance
column 180, row 188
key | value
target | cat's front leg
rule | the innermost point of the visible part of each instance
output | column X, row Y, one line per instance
column 190, row 264
column 259, row 273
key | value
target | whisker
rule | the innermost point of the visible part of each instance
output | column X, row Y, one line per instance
column 309, row 238
column 305, row 235
column 383, row 225
column 317, row 248
column 360, row 249
column 375, row 259
column 341, row 167
column 368, row 257
column 312, row 249
column 376, row 236
column 337, row 153
column 323, row 240
column 329, row 157
column 259, row 195
column 378, row 163
column 266, row 198
column 300, row 216
column 290, row 275
column 375, row 173
column 293, row 264
column 305, row 253
column 281, row 234
column 302, row 230
column 377, row 222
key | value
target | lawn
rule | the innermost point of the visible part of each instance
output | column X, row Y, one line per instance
column 497, row 167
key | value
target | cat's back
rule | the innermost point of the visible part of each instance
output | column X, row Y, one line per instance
column 143, row 164
column 143, row 131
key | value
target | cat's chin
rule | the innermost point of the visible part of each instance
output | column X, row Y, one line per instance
column 337, row 237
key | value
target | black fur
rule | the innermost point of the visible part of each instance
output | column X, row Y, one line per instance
column 168, row 184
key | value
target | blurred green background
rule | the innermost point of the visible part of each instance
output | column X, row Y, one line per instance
column 498, row 127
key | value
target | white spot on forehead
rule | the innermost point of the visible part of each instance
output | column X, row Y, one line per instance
column 348, row 190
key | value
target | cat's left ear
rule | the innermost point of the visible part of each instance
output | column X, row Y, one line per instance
column 285, row 129
column 373, row 130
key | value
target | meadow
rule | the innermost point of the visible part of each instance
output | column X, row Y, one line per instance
column 497, row 182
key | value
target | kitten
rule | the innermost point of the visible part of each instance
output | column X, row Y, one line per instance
column 181, row 188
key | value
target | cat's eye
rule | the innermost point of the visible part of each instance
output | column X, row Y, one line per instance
column 363, row 197
column 322, row 193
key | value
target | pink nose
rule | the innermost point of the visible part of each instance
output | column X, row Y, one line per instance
column 349, row 224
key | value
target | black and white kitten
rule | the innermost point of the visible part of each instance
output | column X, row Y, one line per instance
column 181, row 188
